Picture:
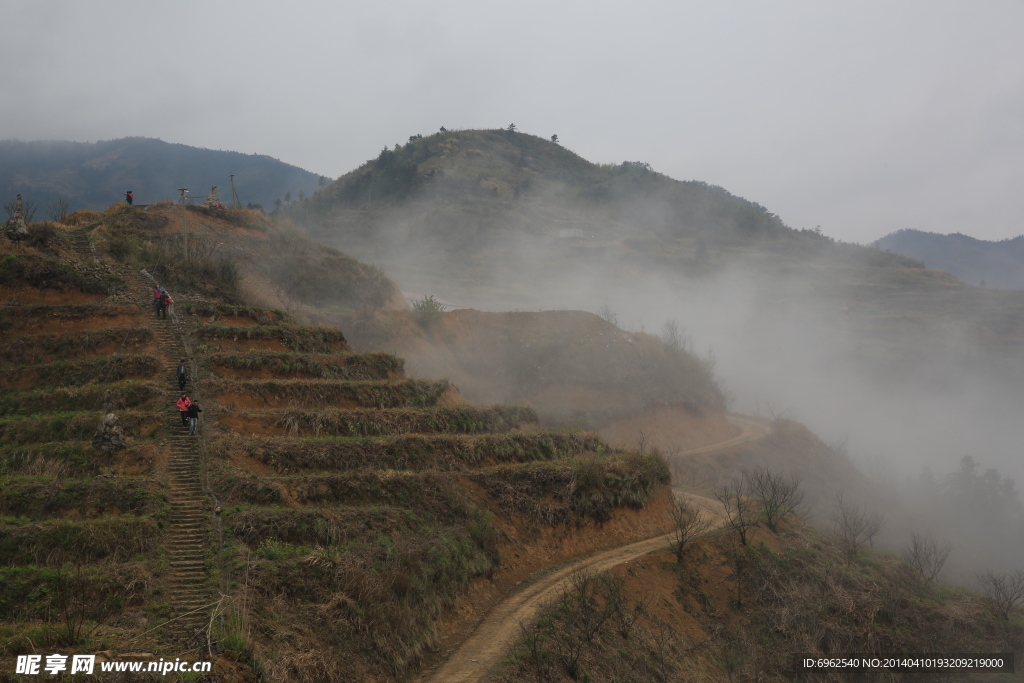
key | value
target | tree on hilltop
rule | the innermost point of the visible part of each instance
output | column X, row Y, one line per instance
column 511, row 128
column 554, row 139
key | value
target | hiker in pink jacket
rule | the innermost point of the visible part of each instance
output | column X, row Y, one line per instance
column 183, row 403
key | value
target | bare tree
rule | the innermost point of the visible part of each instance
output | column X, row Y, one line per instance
column 737, row 558
column 854, row 526
column 618, row 598
column 1004, row 589
column 675, row 336
column 28, row 209
column 608, row 314
column 740, row 508
column 583, row 590
column 533, row 638
column 778, row 494
column 58, row 209
column 927, row 556
column 688, row 523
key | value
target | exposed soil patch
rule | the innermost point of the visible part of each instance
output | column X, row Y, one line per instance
column 670, row 430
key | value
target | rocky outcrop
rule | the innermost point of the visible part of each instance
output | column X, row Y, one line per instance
column 17, row 228
column 109, row 437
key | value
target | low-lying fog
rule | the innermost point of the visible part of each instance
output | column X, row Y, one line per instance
column 909, row 394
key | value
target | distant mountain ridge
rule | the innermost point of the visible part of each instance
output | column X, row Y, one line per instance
column 998, row 264
column 94, row 175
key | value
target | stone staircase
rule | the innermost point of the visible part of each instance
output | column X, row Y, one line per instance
column 80, row 243
column 188, row 590
column 187, row 583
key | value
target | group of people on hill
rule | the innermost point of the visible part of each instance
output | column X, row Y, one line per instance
column 188, row 408
column 161, row 301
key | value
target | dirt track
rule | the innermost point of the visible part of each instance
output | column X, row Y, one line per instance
column 496, row 631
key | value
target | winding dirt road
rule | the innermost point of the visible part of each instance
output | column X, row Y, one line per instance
column 496, row 631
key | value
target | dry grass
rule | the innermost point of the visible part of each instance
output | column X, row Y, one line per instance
column 363, row 366
column 317, row 393
column 39, row 348
column 413, row 452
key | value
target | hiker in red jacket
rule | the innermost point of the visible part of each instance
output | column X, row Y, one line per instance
column 162, row 303
column 183, row 403
column 129, row 197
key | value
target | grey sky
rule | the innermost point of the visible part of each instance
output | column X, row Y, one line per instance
column 863, row 117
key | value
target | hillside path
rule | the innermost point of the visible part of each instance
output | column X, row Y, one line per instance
column 499, row 629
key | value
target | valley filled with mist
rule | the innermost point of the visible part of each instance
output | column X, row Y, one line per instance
column 908, row 370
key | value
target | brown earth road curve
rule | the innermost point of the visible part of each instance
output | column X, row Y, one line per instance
column 496, row 631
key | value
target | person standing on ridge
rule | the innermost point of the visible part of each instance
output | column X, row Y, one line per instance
column 129, row 197
column 193, row 417
column 183, row 403
column 182, row 376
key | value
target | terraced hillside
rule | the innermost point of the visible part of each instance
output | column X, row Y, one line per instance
column 352, row 493
column 324, row 486
column 84, row 535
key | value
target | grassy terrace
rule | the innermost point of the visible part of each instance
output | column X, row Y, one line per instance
column 38, row 498
column 90, row 397
column 380, row 422
column 45, row 272
column 106, row 589
column 442, row 452
column 312, row 393
column 292, row 337
column 260, row 316
column 71, row 458
column 98, row 313
column 54, row 542
column 363, row 366
column 74, row 426
column 38, row 348
column 71, row 373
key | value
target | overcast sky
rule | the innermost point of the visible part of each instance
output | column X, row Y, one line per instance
column 863, row 117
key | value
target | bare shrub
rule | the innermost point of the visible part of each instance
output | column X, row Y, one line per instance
column 853, row 526
column 608, row 315
column 927, row 556
column 688, row 523
column 618, row 598
column 532, row 637
column 740, row 507
column 583, row 591
column 676, row 337
column 778, row 494
column 1004, row 589
column 58, row 209
column 28, row 209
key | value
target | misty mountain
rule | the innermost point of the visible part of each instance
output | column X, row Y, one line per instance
column 912, row 364
column 490, row 216
column 94, row 175
column 996, row 264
